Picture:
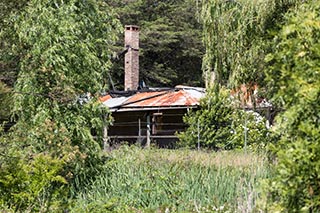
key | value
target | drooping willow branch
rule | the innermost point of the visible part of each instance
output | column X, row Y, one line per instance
column 236, row 35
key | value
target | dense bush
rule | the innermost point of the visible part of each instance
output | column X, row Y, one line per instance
column 6, row 102
column 212, row 123
column 249, row 129
column 29, row 180
column 62, row 50
column 295, row 187
column 294, row 75
column 42, row 165
column 220, row 125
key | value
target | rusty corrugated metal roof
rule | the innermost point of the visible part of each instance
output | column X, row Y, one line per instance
column 182, row 97
column 105, row 98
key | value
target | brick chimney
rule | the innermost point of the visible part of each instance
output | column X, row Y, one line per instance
column 131, row 60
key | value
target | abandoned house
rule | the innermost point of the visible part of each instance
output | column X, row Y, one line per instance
column 144, row 114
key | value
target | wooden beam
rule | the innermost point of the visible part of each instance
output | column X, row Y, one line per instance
column 148, row 131
column 139, row 139
column 105, row 134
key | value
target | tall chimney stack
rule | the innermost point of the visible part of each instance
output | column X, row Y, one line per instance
column 131, row 60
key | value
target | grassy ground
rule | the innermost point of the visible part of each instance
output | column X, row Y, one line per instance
column 159, row 180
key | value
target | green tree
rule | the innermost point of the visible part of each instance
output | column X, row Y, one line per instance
column 170, row 41
column 236, row 36
column 294, row 76
column 6, row 101
column 276, row 43
column 63, row 53
column 8, row 70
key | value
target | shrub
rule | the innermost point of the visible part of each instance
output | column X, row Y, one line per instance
column 30, row 181
column 249, row 129
column 294, row 74
column 220, row 125
column 295, row 186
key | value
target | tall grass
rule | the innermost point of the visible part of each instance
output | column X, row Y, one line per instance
column 175, row 181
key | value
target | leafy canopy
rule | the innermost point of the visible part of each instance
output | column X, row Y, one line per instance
column 63, row 53
column 235, row 34
column 294, row 74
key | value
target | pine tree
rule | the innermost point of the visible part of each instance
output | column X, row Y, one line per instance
column 170, row 41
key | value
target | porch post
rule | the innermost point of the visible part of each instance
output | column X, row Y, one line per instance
column 148, row 131
column 139, row 131
column 105, row 134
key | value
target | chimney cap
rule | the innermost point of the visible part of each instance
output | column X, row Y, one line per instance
column 132, row 27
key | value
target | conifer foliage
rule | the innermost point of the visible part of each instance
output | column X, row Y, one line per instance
column 170, row 41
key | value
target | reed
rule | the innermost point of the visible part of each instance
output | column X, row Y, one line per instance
column 139, row 180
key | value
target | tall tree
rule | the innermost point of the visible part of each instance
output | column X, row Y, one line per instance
column 170, row 41
column 237, row 36
column 8, row 60
column 294, row 76
column 274, row 42
column 63, row 53
column 8, row 71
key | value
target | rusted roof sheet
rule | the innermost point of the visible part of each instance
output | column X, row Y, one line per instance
column 246, row 95
column 105, row 98
column 182, row 97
